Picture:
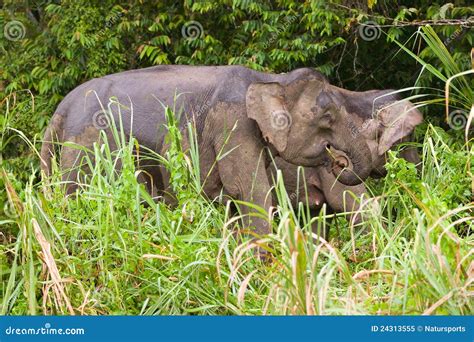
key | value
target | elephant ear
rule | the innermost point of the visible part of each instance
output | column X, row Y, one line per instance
column 265, row 103
column 398, row 120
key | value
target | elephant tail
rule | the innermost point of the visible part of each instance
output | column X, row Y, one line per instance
column 52, row 134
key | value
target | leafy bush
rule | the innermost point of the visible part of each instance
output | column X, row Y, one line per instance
column 150, row 258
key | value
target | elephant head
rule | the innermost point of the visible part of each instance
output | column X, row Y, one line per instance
column 302, row 119
column 383, row 118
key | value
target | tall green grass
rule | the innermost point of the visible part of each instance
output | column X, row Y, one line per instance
column 112, row 249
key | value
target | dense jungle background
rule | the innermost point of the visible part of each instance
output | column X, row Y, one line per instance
column 114, row 251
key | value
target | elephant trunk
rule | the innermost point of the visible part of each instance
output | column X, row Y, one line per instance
column 360, row 156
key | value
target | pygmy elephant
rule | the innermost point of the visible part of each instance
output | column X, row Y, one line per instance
column 321, row 186
column 239, row 115
column 315, row 187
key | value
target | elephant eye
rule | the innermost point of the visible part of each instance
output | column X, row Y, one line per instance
column 327, row 115
column 326, row 119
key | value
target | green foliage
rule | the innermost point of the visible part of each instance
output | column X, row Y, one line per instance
column 175, row 157
column 63, row 44
column 68, row 43
column 145, row 257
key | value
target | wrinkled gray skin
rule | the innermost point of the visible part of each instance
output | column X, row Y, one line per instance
column 253, row 105
column 319, row 187
column 316, row 187
column 323, row 187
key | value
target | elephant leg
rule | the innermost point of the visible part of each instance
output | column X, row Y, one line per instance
column 243, row 175
column 235, row 143
column 151, row 177
column 241, row 169
column 305, row 190
column 70, row 165
column 78, row 155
